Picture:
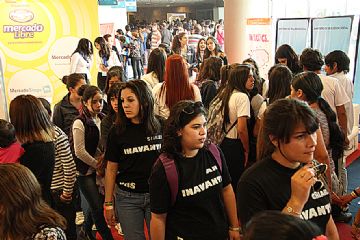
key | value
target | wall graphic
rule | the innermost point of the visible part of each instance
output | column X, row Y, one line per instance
column 37, row 40
column 258, row 31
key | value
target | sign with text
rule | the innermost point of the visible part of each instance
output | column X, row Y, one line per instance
column 293, row 32
column 258, row 31
column 332, row 33
column 37, row 41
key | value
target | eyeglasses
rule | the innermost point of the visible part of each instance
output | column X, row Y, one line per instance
column 190, row 109
column 320, row 170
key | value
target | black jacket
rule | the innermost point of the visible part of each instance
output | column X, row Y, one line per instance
column 65, row 114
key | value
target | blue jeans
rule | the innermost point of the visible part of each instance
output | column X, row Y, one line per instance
column 132, row 209
column 89, row 189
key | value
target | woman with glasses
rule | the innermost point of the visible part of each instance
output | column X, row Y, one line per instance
column 307, row 86
column 86, row 147
column 284, row 176
column 133, row 146
column 204, row 207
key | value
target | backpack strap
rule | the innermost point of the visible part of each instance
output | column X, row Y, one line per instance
column 216, row 153
column 171, row 175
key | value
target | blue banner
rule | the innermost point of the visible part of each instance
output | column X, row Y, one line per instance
column 332, row 33
column 293, row 32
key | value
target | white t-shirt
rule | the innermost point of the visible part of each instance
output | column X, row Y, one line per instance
column 160, row 108
column 79, row 65
column 348, row 86
column 333, row 92
column 239, row 106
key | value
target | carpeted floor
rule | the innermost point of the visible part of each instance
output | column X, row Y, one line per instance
column 353, row 163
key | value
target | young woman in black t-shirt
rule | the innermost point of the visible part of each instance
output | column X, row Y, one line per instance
column 283, row 179
column 132, row 147
column 204, row 206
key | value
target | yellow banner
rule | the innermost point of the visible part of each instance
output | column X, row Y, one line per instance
column 37, row 40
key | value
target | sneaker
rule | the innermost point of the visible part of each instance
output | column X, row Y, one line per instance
column 119, row 229
column 79, row 219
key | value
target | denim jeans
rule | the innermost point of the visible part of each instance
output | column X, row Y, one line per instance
column 89, row 189
column 132, row 209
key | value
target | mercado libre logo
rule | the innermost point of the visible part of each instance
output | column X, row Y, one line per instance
column 26, row 29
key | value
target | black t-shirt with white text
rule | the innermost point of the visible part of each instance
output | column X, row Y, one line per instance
column 198, row 212
column 135, row 152
column 267, row 186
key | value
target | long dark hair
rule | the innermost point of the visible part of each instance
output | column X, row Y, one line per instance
column 279, row 82
column 288, row 227
column 85, row 49
column 104, row 48
column 311, row 85
column 87, row 92
column 237, row 80
column 30, row 120
column 210, row 69
column 286, row 51
column 290, row 111
column 146, row 112
column 156, row 63
column 23, row 209
column 176, row 45
column 181, row 114
column 198, row 56
column 217, row 49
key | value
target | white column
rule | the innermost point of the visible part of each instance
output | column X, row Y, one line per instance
column 235, row 14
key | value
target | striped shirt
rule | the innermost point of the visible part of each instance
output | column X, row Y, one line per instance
column 193, row 40
column 155, row 39
column 64, row 170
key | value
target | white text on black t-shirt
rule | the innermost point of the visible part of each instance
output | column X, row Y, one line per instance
column 144, row 148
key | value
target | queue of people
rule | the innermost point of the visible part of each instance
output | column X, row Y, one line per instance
column 138, row 151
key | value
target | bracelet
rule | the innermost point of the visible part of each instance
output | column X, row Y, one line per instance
column 356, row 193
column 235, row 229
column 108, row 203
column 353, row 194
column 109, row 207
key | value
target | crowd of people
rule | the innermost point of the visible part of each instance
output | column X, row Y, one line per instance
column 215, row 156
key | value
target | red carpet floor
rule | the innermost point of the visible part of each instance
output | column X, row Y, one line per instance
column 343, row 229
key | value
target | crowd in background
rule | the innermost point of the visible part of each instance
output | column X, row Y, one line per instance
column 191, row 156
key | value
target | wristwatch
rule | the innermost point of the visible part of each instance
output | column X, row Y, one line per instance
column 290, row 210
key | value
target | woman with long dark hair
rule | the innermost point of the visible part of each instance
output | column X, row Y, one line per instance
column 36, row 133
column 87, row 150
column 236, row 110
column 286, row 55
column 204, row 206
column 307, row 86
column 213, row 49
column 81, row 59
column 23, row 212
column 180, row 46
column 208, row 79
column 155, row 68
column 176, row 86
column 284, row 177
column 105, row 59
column 133, row 146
